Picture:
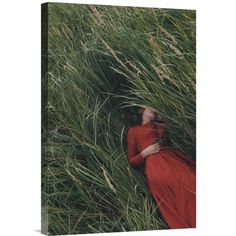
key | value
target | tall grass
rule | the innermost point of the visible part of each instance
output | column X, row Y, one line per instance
column 100, row 62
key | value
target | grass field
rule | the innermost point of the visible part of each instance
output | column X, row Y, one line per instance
column 98, row 63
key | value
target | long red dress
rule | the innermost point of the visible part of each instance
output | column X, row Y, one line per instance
column 170, row 175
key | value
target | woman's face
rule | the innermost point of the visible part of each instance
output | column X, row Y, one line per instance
column 149, row 113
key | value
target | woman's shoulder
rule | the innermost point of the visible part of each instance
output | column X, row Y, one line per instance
column 133, row 128
column 136, row 130
column 130, row 129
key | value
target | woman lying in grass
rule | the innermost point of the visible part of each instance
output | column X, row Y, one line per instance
column 170, row 174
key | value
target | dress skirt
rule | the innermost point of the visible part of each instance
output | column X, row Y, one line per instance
column 171, row 179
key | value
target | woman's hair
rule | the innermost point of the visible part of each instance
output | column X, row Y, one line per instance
column 140, row 115
column 134, row 116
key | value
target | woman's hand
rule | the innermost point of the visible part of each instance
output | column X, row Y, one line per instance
column 153, row 148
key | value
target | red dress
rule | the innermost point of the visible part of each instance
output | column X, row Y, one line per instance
column 170, row 175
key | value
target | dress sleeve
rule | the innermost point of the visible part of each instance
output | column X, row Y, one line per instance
column 134, row 158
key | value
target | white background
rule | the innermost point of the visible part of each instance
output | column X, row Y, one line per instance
column 20, row 99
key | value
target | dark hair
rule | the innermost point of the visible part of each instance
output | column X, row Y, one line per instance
column 134, row 116
column 140, row 111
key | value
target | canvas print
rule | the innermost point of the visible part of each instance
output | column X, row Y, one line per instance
column 118, row 131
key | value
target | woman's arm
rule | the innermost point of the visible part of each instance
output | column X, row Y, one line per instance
column 134, row 158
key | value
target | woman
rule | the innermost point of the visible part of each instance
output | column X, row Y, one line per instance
column 170, row 174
